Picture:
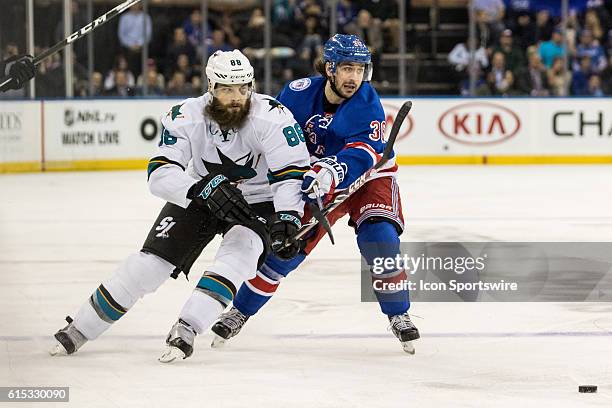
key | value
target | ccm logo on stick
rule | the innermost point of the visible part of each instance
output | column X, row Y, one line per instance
column 479, row 123
column 86, row 29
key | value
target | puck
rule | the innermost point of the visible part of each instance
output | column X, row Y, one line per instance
column 587, row 388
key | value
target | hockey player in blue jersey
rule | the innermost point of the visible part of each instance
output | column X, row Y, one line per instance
column 344, row 124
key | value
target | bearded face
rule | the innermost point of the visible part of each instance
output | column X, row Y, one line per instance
column 229, row 115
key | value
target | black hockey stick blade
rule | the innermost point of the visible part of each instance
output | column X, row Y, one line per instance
column 318, row 215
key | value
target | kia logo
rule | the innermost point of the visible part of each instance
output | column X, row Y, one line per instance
column 479, row 123
column 390, row 113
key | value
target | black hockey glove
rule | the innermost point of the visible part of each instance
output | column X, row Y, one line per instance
column 285, row 225
column 20, row 68
column 224, row 200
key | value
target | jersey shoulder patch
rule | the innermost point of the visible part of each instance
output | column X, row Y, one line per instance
column 185, row 112
column 268, row 109
column 300, row 84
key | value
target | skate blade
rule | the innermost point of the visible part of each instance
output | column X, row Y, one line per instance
column 171, row 354
column 218, row 341
column 58, row 350
column 408, row 347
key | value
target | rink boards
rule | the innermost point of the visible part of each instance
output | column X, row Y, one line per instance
column 122, row 134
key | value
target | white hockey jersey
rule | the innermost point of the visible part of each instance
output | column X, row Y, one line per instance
column 266, row 157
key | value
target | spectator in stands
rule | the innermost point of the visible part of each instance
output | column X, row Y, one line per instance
column 606, row 77
column 595, row 88
column 514, row 56
column 559, row 79
column 533, row 80
column 196, row 85
column 549, row 50
column 589, row 47
column 177, row 86
column 50, row 78
column 183, row 65
column 385, row 13
column 218, row 42
column 228, row 25
column 307, row 8
column 525, row 30
column 580, row 77
column 312, row 43
column 283, row 11
column 134, row 33
column 253, row 36
column 544, row 27
column 121, row 87
column 371, row 32
column 346, row 12
column 500, row 78
column 490, row 16
column 193, row 31
column 481, row 88
column 593, row 24
column 153, row 87
column 152, row 70
column 572, row 29
column 97, row 81
column 179, row 46
column 459, row 56
column 121, row 64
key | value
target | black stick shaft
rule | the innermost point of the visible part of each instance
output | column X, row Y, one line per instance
column 109, row 15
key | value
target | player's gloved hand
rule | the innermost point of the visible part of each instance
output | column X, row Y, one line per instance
column 223, row 199
column 284, row 225
column 20, row 68
column 325, row 175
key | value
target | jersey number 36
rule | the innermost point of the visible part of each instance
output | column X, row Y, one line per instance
column 378, row 131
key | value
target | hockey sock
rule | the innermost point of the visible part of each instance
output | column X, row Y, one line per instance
column 254, row 293
column 380, row 240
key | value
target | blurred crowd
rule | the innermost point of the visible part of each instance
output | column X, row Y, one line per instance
column 523, row 49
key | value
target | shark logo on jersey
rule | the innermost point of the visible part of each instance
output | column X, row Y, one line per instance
column 231, row 169
column 175, row 112
column 275, row 104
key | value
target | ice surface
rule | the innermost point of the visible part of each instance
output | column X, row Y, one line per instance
column 315, row 344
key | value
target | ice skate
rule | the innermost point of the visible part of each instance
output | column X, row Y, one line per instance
column 228, row 325
column 405, row 331
column 179, row 342
column 69, row 340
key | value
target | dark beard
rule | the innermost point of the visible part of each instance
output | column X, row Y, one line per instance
column 224, row 117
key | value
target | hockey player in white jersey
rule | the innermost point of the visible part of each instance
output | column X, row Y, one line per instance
column 247, row 157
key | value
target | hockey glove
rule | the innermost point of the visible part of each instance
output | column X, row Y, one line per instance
column 20, row 68
column 285, row 225
column 324, row 176
column 224, row 200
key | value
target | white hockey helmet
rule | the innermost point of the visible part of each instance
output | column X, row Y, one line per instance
column 229, row 68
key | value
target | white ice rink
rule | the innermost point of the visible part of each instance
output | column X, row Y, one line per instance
column 315, row 344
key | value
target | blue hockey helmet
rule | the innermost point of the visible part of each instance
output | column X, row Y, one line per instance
column 348, row 48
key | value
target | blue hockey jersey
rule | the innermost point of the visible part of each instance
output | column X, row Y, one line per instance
column 354, row 133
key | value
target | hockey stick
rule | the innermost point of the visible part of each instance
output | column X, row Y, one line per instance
column 109, row 15
column 365, row 177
